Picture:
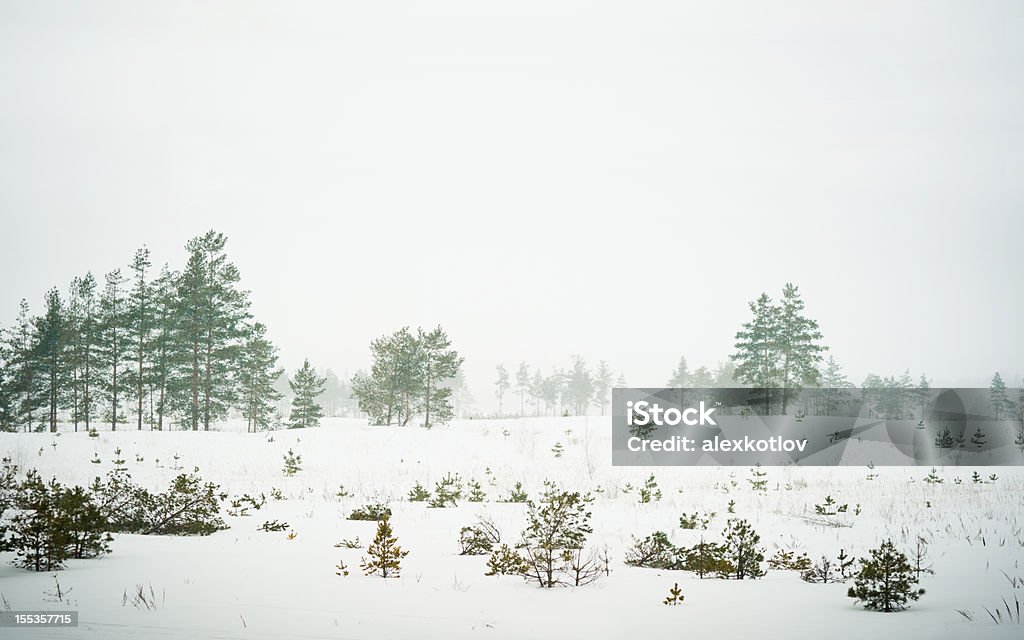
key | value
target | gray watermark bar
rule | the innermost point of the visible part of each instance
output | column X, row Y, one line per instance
column 38, row 618
column 882, row 426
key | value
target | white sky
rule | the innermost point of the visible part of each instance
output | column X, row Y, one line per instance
column 615, row 179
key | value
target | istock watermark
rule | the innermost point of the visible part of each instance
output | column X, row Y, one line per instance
column 817, row 427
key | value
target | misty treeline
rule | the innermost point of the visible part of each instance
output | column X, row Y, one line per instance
column 780, row 350
column 141, row 346
column 569, row 391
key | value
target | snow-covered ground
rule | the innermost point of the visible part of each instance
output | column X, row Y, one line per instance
column 243, row 583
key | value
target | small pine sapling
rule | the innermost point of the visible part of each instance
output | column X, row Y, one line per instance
column 758, row 479
column 385, row 553
column 675, row 596
column 292, row 463
column 650, row 491
column 476, row 492
column 517, row 494
column 506, row 561
column 341, row 569
column 418, row 493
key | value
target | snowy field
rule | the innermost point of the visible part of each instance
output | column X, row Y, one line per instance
column 244, row 583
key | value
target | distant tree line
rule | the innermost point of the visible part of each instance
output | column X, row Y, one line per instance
column 143, row 348
column 570, row 391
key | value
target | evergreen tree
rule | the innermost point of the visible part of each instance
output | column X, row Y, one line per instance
column 602, row 385
column 556, row 526
column 834, row 385
column 978, row 439
column 389, row 394
column 922, row 393
column 885, row 581
column 258, row 374
column 169, row 360
column 306, row 386
column 579, row 386
column 438, row 362
column 997, row 393
column 213, row 312
column 48, row 355
column 757, row 350
column 681, row 376
column 798, row 344
column 139, row 323
column 112, row 343
column 742, row 549
column 501, row 385
column 522, row 386
column 21, row 370
column 86, row 350
column 537, row 390
column 385, row 553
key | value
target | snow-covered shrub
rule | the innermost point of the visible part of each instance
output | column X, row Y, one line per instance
column 789, row 561
column 376, row 511
column 655, row 551
column 506, row 561
column 478, row 539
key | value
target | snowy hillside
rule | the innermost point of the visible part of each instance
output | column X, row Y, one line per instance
column 241, row 582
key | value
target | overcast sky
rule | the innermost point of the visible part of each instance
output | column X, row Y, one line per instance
column 614, row 179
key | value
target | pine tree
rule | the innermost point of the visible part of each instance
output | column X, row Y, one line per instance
column 112, row 343
column 885, row 581
column 757, row 355
column 213, row 313
column 602, row 385
column 501, row 385
column 139, row 325
column 21, row 369
column 978, row 439
column 556, row 526
column 522, row 386
column 997, row 392
column 258, row 374
column 439, row 362
column 385, row 553
column 742, row 549
column 675, row 596
column 834, row 385
column 306, row 386
column 798, row 343
column 579, row 386
column 537, row 390
column 394, row 386
column 86, row 357
column 168, row 352
column 681, row 376
column 48, row 355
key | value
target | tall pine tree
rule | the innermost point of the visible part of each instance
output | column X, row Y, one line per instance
column 113, row 344
column 258, row 374
column 439, row 363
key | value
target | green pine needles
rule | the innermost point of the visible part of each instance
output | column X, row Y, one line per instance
column 886, row 581
column 306, row 386
column 385, row 554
